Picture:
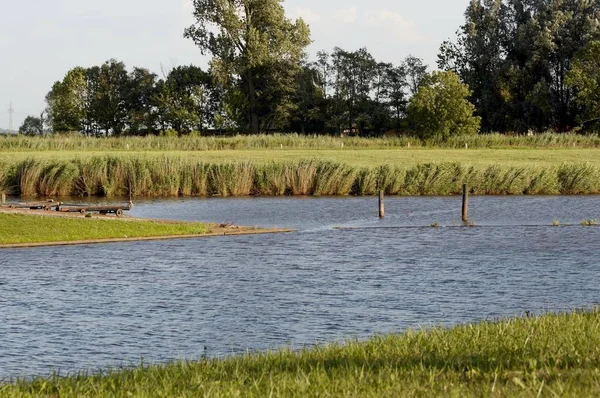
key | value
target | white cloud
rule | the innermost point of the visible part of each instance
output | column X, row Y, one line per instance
column 308, row 15
column 346, row 15
column 187, row 4
column 404, row 30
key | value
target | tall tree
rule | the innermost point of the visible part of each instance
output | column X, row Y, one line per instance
column 66, row 102
column 185, row 101
column 394, row 92
column 415, row 71
column 584, row 77
column 141, row 115
column 515, row 55
column 109, row 100
column 355, row 75
column 245, row 37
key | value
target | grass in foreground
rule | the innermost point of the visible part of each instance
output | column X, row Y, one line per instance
column 547, row 356
column 22, row 228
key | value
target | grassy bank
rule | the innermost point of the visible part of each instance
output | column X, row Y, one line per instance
column 547, row 356
column 187, row 176
column 288, row 141
column 22, row 228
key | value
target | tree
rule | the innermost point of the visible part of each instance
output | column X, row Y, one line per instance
column 186, row 100
column 515, row 56
column 141, row 90
column 246, row 37
column 66, row 102
column 355, row 75
column 440, row 108
column 394, row 84
column 415, row 71
column 32, row 126
column 109, row 97
column 584, row 77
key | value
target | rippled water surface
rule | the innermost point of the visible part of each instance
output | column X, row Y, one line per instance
column 89, row 307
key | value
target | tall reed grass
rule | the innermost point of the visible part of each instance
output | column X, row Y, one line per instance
column 182, row 176
column 288, row 141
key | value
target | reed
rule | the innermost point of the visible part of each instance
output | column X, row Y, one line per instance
column 170, row 176
column 76, row 142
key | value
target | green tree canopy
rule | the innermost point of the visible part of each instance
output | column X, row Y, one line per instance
column 584, row 76
column 440, row 107
column 247, row 38
column 32, row 126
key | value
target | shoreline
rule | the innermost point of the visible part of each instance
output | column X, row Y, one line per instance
column 142, row 239
column 214, row 230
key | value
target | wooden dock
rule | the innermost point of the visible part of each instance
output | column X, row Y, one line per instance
column 84, row 209
column 41, row 205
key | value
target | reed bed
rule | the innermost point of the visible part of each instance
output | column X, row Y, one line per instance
column 172, row 176
column 531, row 356
column 76, row 142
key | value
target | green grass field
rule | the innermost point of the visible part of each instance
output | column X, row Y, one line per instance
column 354, row 157
column 21, row 228
column 547, row 356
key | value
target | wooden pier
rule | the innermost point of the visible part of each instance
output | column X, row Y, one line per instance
column 41, row 205
column 84, row 209
column 51, row 205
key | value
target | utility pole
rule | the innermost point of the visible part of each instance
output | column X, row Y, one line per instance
column 10, row 117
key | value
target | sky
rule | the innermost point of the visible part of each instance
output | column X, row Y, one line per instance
column 41, row 40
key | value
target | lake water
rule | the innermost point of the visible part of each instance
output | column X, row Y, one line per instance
column 95, row 306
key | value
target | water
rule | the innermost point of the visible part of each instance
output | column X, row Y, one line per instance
column 89, row 307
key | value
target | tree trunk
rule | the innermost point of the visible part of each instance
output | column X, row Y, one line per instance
column 254, row 124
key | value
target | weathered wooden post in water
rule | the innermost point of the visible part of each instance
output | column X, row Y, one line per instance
column 465, row 205
column 3, row 198
column 381, row 204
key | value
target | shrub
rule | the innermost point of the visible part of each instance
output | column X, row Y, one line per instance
column 440, row 108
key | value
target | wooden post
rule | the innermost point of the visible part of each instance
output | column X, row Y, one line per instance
column 3, row 198
column 381, row 204
column 465, row 205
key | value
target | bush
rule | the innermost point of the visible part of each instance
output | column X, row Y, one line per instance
column 440, row 108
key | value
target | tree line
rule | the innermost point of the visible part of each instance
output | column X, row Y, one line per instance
column 516, row 65
column 531, row 64
column 340, row 91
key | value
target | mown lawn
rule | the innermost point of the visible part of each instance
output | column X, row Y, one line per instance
column 21, row 228
column 354, row 157
column 547, row 356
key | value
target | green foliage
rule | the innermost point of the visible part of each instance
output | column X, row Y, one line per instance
column 32, row 126
column 254, row 48
column 515, row 55
column 584, row 76
column 440, row 108
column 529, row 356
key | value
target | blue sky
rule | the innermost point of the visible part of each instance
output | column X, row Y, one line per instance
column 41, row 40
